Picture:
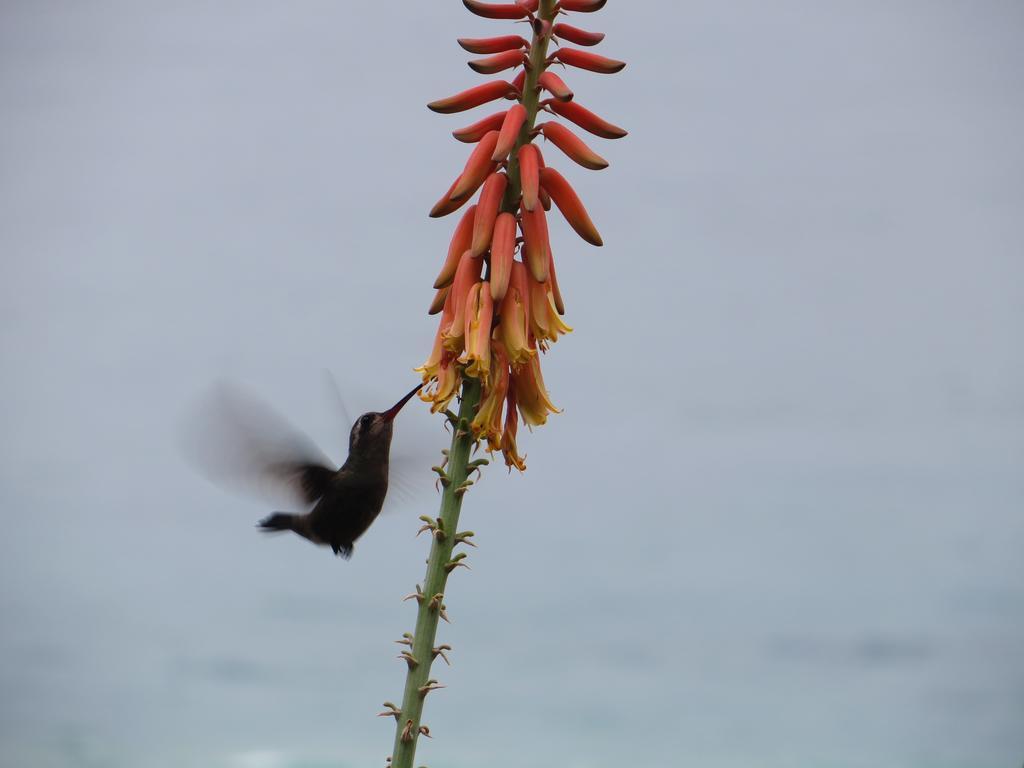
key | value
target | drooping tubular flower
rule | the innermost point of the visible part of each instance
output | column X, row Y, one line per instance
column 497, row 292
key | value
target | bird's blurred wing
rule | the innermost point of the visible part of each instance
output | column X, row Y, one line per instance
column 236, row 440
column 334, row 391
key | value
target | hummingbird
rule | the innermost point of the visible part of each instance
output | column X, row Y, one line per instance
column 346, row 500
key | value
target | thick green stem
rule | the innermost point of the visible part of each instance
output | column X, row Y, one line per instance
column 439, row 565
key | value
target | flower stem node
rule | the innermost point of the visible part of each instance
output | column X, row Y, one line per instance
column 408, row 731
column 407, row 639
column 440, row 651
column 409, row 659
column 456, row 562
column 417, row 595
column 390, row 711
column 432, row 685
column 464, row 538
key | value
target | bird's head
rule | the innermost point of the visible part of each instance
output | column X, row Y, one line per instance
column 372, row 431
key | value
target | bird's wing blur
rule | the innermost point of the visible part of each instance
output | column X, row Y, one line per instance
column 236, row 440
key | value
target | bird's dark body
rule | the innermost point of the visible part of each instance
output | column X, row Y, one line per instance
column 348, row 500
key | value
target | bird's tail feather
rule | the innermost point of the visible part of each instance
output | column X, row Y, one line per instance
column 279, row 521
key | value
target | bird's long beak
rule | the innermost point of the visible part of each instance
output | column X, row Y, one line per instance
column 393, row 410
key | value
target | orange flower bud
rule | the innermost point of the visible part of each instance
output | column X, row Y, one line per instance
column 484, row 45
column 545, row 199
column 477, row 331
column 448, row 204
column 473, row 97
column 585, row 119
column 478, row 167
column 473, row 133
column 487, row 212
column 591, row 62
column 514, row 119
column 461, row 240
column 570, row 205
column 515, row 317
column 532, row 396
column 573, row 146
column 553, row 280
column 439, row 300
column 575, row 35
column 552, row 83
column 535, row 241
column 497, row 10
column 519, row 82
column 530, row 162
column 467, row 274
column 499, row 62
column 503, row 245
column 581, row 6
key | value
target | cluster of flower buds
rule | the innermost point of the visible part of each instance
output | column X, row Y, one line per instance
column 497, row 292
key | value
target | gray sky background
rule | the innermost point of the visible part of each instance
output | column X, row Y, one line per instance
column 779, row 522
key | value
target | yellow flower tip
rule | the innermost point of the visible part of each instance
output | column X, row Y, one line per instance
column 477, row 331
column 532, row 396
column 515, row 318
column 509, row 449
column 444, row 388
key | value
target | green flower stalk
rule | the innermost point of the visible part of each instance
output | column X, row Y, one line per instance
column 497, row 292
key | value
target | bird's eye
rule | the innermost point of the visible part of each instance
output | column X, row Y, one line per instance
column 365, row 420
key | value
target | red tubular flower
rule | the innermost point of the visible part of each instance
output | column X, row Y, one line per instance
column 478, row 167
column 439, row 300
column 484, row 45
column 519, row 83
column 487, row 212
column 499, row 62
column 474, row 97
column 503, row 245
column 497, row 10
column 530, row 162
column 586, row 60
column 581, row 6
column 447, row 204
column 553, row 279
column 585, row 119
column 535, row 241
column 554, row 85
column 461, row 240
column 509, row 133
column 573, row 146
column 570, row 205
column 473, row 133
column 573, row 35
